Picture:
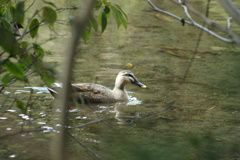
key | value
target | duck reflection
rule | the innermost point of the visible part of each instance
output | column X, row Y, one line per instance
column 124, row 112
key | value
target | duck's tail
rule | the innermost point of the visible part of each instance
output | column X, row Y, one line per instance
column 53, row 89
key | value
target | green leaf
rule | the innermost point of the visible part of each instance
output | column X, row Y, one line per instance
column 2, row 2
column 19, row 13
column 48, row 52
column 103, row 18
column 15, row 69
column 86, row 34
column 93, row 23
column 8, row 14
column 27, row 59
column 107, row 9
column 20, row 104
column 120, row 9
column 6, row 79
column 50, row 3
column 24, row 45
column 7, row 39
column 33, row 27
column 6, row 24
column 38, row 50
column 119, row 17
column 98, row 5
column 49, row 15
column 47, row 77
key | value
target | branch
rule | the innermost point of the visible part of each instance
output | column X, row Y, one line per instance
column 187, row 7
column 122, row 117
column 59, row 144
column 231, row 10
column 84, row 146
column 211, row 24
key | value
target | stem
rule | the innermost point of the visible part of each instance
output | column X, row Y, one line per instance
column 59, row 143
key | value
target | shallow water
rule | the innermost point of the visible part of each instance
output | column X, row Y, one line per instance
column 172, row 119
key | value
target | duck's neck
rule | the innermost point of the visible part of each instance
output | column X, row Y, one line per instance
column 119, row 91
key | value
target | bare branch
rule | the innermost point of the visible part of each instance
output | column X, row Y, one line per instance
column 229, row 23
column 231, row 10
column 186, row 6
column 84, row 146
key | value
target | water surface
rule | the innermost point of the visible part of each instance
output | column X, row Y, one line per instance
column 195, row 118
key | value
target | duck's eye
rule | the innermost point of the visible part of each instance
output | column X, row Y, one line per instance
column 130, row 76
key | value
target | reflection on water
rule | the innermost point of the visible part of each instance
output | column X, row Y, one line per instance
column 202, row 116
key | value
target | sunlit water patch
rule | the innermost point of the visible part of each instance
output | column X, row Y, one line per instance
column 133, row 101
column 39, row 89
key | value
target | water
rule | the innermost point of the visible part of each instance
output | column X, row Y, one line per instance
column 172, row 119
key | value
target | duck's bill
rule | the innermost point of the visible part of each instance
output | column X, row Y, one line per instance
column 139, row 84
column 143, row 86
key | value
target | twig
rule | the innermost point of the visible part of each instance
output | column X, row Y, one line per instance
column 123, row 117
column 26, row 27
column 26, row 32
column 196, row 47
column 92, row 122
column 30, row 6
column 87, row 148
column 229, row 22
column 231, row 10
column 22, row 131
column 186, row 12
column 100, row 117
column 208, row 22
column 67, row 8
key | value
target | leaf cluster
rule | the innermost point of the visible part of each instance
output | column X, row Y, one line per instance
column 104, row 10
column 20, row 53
column 19, row 57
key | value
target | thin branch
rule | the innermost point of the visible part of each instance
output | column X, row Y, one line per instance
column 211, row 24
column 67, row 8
column 30, row 6
column 122, row 117
column 23, row 131
column 196, row 46
column 26, row 32
column 234, row 37
column 100, row 117
column 229, row 23
column 29, row 21
column 231, row 10
column 186, row 12
column 84, row 146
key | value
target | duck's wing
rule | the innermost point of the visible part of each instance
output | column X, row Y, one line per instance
column 87, row 93
column 89, row 87
column 92, row 93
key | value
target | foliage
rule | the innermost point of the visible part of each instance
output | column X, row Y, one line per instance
column 20, row 56
column 105, row 9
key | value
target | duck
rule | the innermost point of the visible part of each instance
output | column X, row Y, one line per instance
column 87, row 93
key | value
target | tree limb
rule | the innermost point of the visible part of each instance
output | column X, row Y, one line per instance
column 231, row 10
column 187, row 6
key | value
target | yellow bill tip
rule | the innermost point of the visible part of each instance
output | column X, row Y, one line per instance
column 143, row 86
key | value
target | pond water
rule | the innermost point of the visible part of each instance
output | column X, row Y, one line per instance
column 195, row 118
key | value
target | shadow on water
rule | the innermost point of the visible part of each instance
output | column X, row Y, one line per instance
column 171, row 119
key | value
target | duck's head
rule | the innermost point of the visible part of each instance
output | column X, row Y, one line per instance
column 127, row 77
